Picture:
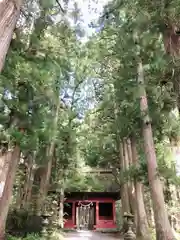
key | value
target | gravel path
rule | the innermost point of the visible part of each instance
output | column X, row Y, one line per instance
column 89, row 235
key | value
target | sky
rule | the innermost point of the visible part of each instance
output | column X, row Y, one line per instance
column 90, row 10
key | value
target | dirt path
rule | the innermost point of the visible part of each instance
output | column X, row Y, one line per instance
column 88, row 235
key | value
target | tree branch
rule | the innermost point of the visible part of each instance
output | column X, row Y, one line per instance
column 112, row 10
column 57, row 1
column 74, row 92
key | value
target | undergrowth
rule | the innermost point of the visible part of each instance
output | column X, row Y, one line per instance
column 56, row 235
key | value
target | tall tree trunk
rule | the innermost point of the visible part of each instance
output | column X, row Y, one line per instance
column 142, row 229
column 45, row 180
column 41, row 193
column 132, row 197
column 20, row 181
column 124, row 186
column 9, row 14
column 5, row 200
column 149, row 209
column 61, row 208
column 4, row 165
column 44, row 184
column 126, row 208
column 163, row 228
column 30, row 187
column 171, row 41
column 27, row 191
column 148, row 206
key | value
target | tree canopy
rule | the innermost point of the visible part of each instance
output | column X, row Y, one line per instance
column 70, row 102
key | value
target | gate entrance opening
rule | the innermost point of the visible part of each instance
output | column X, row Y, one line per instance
column 90, row 210
column 85, row 215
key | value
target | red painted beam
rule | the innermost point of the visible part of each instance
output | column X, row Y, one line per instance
column 101, row 222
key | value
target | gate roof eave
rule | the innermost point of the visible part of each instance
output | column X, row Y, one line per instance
column 82, row 195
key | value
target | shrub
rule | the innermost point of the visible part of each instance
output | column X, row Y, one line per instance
column 56, row 235
column 21, row 222
column 28, row 237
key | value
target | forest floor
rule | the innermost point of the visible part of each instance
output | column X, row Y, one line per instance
column 90, row 235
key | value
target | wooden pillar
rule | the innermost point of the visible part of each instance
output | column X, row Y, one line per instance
column 114, row 211
column 97, row 213
column 74, row 213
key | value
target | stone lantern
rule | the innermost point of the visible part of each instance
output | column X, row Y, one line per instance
column 129, row 234
column 46, row 220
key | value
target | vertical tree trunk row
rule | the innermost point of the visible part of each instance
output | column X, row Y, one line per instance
column 163, row 228
column 61, row 208
column 131, row 186
column 124, row 187
column 27, row 191
column 142, row 230
column 45, row 179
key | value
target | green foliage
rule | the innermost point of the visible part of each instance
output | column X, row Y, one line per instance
column 21, row 222
column 29, row 237
column 51, row 79
column 45, row 70
column 54, row 236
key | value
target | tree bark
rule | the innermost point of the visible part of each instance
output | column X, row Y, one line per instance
column 171, row 41
column 20, row 181
column 131, row 187
column 27, row 191
column 142, row 228
column 124, row 186
column 30, row 187
column 5, row 200
column 4, row 165
column 45, row 180
column 61, row 208
column 41, row 193
column 163, row 228
column 9, row 14
column 149, row 210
